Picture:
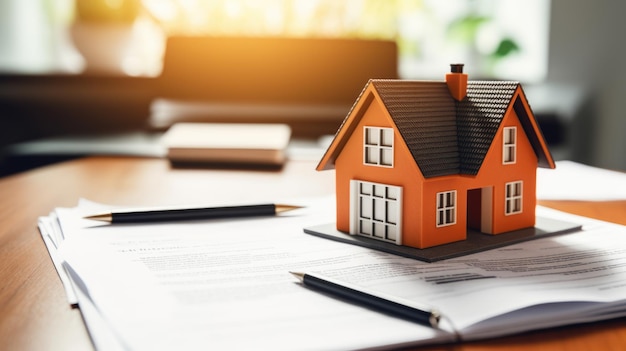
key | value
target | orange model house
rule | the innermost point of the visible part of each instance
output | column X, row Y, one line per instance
column 419, row 162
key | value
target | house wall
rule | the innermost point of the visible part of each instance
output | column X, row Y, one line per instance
column 493, row 172
column 349, row 166
column 431, row 234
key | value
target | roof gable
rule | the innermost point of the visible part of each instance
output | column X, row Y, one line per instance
column 445, row 136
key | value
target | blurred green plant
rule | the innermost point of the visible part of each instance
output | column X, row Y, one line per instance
column 465, row 30
column 506, row 47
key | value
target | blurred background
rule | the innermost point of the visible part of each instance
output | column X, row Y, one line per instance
column 82, row 77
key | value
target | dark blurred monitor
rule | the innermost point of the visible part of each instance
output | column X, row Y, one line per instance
column 275, row 70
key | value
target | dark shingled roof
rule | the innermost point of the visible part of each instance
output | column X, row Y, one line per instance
column 478, row 117
column 446, row 136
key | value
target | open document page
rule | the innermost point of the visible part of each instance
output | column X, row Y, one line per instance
column 225, row 284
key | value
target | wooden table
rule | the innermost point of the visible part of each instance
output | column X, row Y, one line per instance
column 34, row 314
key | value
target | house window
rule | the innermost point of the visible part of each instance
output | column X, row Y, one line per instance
column 378, row 146
column 377, row 213
column 513, row 199
column 446, row 208
column 510, row 145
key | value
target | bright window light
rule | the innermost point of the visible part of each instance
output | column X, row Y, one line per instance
column 503, row 39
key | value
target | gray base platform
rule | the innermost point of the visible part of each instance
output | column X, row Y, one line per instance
column 475, row 242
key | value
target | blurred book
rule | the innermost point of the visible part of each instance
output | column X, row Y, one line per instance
column 227, row 143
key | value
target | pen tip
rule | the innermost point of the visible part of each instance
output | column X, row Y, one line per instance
column 106, row 217
column 298, row 275
column 285, row 208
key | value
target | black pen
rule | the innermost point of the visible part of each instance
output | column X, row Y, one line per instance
column 181, row 214
column 401, row 308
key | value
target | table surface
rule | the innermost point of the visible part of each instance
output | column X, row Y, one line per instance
column 34, row 314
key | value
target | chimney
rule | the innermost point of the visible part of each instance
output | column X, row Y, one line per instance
column 457, row 81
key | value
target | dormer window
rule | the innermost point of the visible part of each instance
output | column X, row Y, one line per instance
column 509, row 145
column 378, row 146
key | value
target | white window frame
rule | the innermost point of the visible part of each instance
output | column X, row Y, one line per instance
column 376, row 211
column 513, row 197
column 509, row 145
column 446, row 208
column 378, row 146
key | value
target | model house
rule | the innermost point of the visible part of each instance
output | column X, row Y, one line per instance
column 419, row 162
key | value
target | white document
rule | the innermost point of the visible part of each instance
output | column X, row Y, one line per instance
column 576, row 181
column 52, row 237
column 225, row 284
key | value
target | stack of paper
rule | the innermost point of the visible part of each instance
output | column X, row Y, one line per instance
column 227, row 143
column 225, row 284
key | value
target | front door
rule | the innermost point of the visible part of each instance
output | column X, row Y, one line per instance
column 480, row 209
column 376, row 211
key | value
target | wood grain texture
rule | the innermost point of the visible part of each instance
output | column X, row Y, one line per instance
column 34, row 314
